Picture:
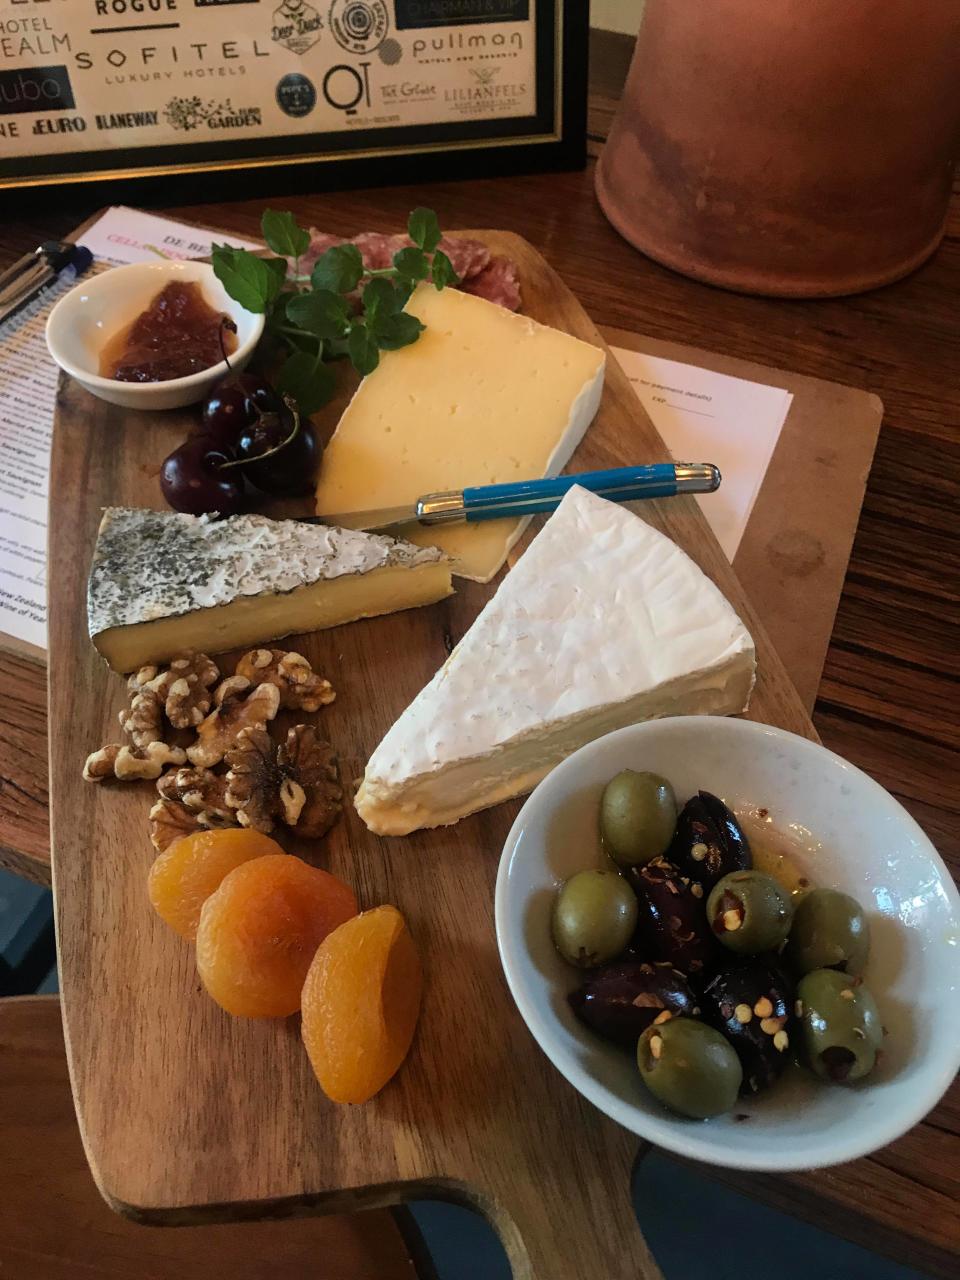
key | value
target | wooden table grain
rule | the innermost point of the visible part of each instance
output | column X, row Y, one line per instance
column 889, row 691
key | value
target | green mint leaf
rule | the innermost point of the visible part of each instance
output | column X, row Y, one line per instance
column 247, row 278
column 442, row 272
column 339, row 269
column 412, row 264
column 362, row 346
column 320, row 312
column 282, row 234
column 393, row 332
column 305, row 377
column 423, row 229
column 278, row 269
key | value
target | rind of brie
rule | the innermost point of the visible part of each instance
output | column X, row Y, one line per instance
column 604, row 622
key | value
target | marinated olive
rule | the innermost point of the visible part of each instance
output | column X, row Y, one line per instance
column 621, row 1000
column 749, row 912
column 689, row 1067
column 671, row 923
column 594, row 916
column 709, row 842
column 829, row 931
column 638, row 814
column 840, row 1025
column 752, row 1003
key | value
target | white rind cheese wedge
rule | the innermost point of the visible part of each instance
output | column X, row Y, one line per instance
column 602, row 623
column 161, row 582
column 484, row 396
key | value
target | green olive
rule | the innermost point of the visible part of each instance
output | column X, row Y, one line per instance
column 690, row 1067
column 749, row 912
column 638, row 816
column 840, row 1025
column 594, row 915
column 829, row 931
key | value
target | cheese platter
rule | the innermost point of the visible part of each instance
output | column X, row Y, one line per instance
column 189, row 1114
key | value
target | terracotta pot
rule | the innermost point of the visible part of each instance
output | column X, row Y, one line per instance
column 787, row 147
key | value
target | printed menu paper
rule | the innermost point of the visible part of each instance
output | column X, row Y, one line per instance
column 713, row 417
column 125, row 235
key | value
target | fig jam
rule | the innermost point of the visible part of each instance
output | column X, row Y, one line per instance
column 178, row 334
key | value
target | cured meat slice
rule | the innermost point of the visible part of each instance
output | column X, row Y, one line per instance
column 469, row 257
column 492, row 278
column 497, row 282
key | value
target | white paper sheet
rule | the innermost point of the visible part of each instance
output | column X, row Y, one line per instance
column 712, row 417
column 125, row 235
column 28, row 388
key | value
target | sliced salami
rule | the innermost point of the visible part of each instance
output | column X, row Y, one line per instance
column 497, row 282
column 479, row 273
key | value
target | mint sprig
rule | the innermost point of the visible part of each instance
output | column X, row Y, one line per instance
column 311, row 321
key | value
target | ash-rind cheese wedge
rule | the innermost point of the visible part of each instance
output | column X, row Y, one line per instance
column 602, row 623
column 161, row 582
column 484, row 396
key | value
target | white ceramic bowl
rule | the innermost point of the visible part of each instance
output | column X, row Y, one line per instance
column 846, row 832
column 100, row 305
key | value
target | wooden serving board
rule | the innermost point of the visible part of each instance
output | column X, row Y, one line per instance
column 189, row 1115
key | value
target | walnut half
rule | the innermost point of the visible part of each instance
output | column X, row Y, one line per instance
column 127, row 764
column 185, row 688
column 202, row 792
column 309, row 762
column 295, row 784
column 143, row 719
column 301, row 689
column 238, row 707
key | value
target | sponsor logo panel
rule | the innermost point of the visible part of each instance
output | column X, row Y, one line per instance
column 296, row 95
column 359, row 26
column 35, row 89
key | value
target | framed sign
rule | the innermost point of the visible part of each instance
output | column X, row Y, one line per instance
column 315, row 93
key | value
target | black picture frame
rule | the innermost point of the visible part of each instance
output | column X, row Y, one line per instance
column 555, row 138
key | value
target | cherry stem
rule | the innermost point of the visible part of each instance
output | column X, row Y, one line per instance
column 228, row 326
column 242, row 462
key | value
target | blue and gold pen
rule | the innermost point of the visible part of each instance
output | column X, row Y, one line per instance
column 536, row 497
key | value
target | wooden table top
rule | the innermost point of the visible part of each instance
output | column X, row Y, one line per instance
column 890, row 676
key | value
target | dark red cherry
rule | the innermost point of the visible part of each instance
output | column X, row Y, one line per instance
column 235, row 402
column 289, row 470
column 193, row 481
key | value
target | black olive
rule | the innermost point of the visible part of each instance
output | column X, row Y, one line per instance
column 671, row 920
column 708, row 843
column 752, row 1003
column 621, row 1000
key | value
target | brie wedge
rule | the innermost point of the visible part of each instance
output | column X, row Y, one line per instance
column 602, row 623
column 161, row 582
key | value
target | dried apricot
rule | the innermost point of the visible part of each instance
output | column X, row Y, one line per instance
column 185, row 874
column 360, row 1004
column 260, row 930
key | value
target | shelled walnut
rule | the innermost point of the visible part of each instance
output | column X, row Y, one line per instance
column 201, row 791
column 169, row 820
column 295, row 783
column 301, row 688
column 185, row 687
column 238, row 707
column 127, row 764
column 142, row 721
